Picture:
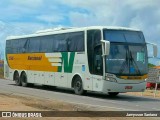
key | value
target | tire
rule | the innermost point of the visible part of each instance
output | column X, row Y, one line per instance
column 17, row 79
column 113, row 94
column 24, row 79
column 78, row 86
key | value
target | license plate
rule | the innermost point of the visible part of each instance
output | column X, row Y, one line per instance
column 128, row 87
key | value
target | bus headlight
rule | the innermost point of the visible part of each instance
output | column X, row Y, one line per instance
column 111, row 79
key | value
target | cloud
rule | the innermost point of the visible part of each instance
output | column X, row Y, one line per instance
column 28, row 3
column 80, row 19
column 2, row 25
column 22, row 28
column 143, row 14
column 53, row 18
column 15, row 29
column 102, row 12
column 39, row 14
column 19, row 28
column 142, row 4
column 14, row 12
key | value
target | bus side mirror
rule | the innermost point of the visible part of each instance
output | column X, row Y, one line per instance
column 105, row 47
column 155, row 49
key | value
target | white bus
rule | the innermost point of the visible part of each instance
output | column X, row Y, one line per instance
column 98, row 58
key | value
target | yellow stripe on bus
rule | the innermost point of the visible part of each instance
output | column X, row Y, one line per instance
column 33, row 61
column 134, row 77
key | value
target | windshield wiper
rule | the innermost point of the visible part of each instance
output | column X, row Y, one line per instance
column 125, row 64
column 132, row 62
column 128, row 62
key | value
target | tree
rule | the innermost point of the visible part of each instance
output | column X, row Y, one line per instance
column 150, row 65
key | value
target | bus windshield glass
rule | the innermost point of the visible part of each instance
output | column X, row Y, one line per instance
column 128, row 53
column 124, row 36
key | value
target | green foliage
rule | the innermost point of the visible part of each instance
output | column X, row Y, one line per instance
column 151, row 65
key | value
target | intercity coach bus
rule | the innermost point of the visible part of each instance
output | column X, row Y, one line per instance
column 103, row 59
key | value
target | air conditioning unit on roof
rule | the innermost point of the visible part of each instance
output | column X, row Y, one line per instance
column 54, row 29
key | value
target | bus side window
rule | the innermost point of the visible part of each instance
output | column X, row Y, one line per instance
column 23, row 45
column 60, row 43
column 34, row 45
column 75, row 42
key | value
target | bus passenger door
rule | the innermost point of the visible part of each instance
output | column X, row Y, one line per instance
column 94, row 53
column 97, row 68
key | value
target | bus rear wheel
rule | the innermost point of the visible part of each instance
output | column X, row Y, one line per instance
column 24, row 79
column 78, row 86
column 113, row 94
column 17, row 79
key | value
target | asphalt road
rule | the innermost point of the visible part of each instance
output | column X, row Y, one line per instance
column 99, row 101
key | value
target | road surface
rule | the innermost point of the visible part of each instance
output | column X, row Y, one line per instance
column 100, row 101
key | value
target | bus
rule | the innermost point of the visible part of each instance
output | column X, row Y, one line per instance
column 103, row 59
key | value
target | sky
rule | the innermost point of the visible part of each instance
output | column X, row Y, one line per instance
column 19, row 17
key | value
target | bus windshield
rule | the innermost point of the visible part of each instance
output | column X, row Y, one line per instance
column 127, row 56
column 124, row 36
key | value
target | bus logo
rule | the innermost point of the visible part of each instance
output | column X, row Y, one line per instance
column 67, row 62
column 11, row 58
column 64, row 61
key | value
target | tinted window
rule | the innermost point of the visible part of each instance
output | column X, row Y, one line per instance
column 8, row 46
column 93, row 41
column 67, row 42
column 76, row 41
column 134, row 37
column 23, row 45
column 60, row 43
column 34, row 45
column 114, row 36
column 98, row 63
column 127, row 59
column 46, row 44
column 124, row 36
column 16, row 46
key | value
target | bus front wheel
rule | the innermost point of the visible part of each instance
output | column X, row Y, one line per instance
column 78, row 86
column 24, row 79
column 113, row 94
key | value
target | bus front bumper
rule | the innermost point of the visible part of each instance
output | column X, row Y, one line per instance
column 122, row 87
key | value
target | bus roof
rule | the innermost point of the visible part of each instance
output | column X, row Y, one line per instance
column 69, row 29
